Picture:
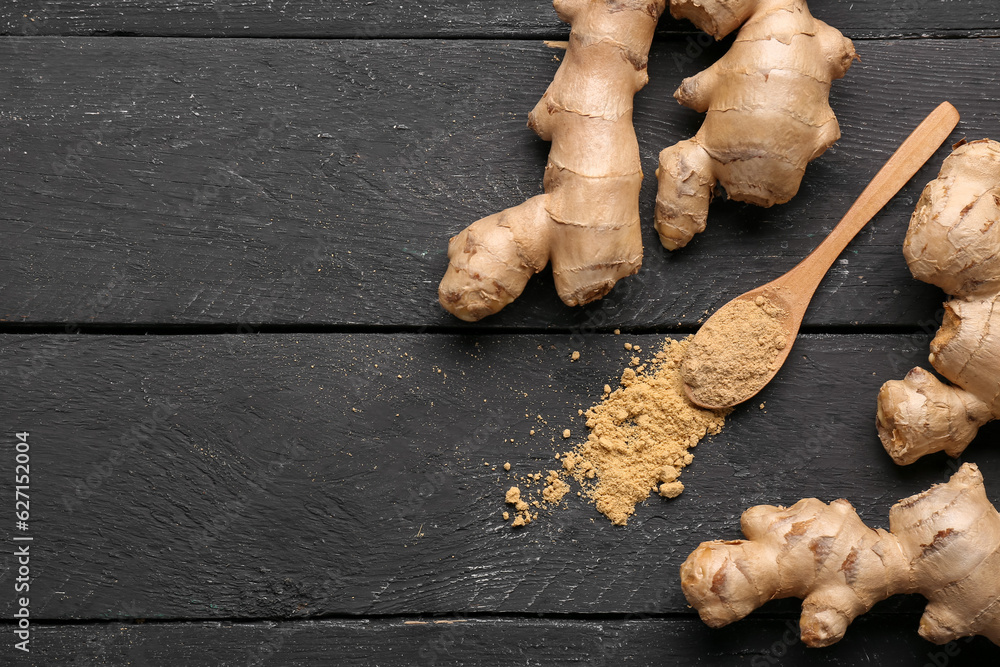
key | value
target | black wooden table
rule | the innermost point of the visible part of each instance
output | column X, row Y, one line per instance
column 256, row 439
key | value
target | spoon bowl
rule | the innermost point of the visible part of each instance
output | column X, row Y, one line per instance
column 786, row 320
column 793, row 291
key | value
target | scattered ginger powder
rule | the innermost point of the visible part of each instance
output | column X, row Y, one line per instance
column 735, row 352
column 639, row 438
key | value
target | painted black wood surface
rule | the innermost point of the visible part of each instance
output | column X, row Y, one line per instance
column 527, row 640
column 315, row 183
column 367, row 19
column 270, row 461
column 318, row 493
column 246, row 477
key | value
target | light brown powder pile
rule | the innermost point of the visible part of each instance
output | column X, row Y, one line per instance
column 735, row 353
column 639, row 438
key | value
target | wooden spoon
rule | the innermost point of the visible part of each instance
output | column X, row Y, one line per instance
column 793, row 291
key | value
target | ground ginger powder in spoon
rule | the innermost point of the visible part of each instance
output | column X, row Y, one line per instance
column 735, row 352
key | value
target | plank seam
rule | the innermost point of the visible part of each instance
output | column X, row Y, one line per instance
column 963, row 33
column 75, row 329
column 429, row 618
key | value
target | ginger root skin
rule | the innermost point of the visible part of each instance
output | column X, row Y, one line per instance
column 943, row 544
column 953, row 242
column 767, row 110
column 587, row 222
column 919, row 415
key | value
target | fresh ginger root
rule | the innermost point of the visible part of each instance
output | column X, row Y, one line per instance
column 953, row 242
column 943, row 543
column 587, row 222
column 767, row 110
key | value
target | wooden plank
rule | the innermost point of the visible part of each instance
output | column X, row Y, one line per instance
column 267, row 476
column 441, row 18
column 755, row 642
column 315, row 183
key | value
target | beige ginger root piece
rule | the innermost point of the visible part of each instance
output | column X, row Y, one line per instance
column 766, row 106
column 587, row 222
column 953, row 242
column 943, row 544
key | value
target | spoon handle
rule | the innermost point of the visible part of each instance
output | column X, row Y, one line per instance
column 901, row 167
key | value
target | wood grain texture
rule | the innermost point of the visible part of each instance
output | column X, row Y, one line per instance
column 300, row 182
column 267, row 476
column 305, row 499
column 437, row 18
column 756, row 642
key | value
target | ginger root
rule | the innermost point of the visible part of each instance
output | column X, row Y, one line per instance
column 943, row 543
column 587, row 222
column 767, row 110
column 953, row 242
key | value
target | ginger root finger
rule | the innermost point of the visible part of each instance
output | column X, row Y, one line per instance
column 953, row 242
column 587, row 222
column 943, row 543
column 767, row 110
column 686, row 180
column 492, row 259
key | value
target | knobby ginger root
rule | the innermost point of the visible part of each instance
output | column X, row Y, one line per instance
column 587, row 222
column 767, row 110
column 943, row 543
column 953, row 242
